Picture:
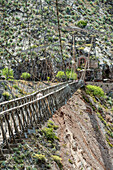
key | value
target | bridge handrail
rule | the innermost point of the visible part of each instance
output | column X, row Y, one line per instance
column 16, row 121
column 30, row 96
column 38, row 99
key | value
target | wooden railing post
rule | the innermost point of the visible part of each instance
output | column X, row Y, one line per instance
column 25, row 124
column 29, row 116
column 48, row 103
column 40, row 110
column 10, row 128
column 5, row 140
column 35, row 112
column 15, row 124
column 32, row 113
column 2, row 129
column 1, row 154
column 47, row 107
column 44, row 111
column 20, row 121
column 55, row 102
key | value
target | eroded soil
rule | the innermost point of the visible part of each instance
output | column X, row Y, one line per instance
column 82, row 137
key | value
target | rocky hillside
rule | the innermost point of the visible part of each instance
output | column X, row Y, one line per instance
column 30, row 32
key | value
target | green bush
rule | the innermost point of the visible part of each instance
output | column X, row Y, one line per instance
column 49, row 134
column 6, row 95
column 58, row 160
column 94, row 90
column 82, row 24
column 8, row 73
column 97, row 2
column 25, row 76
column 10, row 78
column 15, row 86
column 40, row 158
column 51, row 125
column 71, row 75
column 60, row 75
column 111, row 41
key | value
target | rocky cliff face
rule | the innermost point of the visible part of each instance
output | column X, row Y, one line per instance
column 83, row 136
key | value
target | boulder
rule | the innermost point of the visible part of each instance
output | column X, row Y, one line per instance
column 109, row 118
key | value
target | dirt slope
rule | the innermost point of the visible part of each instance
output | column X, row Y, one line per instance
column 82, row 137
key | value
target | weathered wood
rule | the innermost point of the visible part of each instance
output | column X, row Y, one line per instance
column 20, row 121
column 32, row 113
column 35, row 112
column 2, row 129
column 25, row 124
column 1, row 154
column 9, row 128
column 29, row 116
column 15, row 125
column 44, row 110
column 55, row 102
column 40, row 110
column 49, row 107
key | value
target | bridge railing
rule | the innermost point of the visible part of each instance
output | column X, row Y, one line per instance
column 19, row 101
column 16, row 121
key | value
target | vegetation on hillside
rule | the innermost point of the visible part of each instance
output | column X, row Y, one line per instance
column 39, row 151
column 70, row 75
column 94, row 90
column 27, row 25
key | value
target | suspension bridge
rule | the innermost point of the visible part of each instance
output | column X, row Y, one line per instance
column 19, row 115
